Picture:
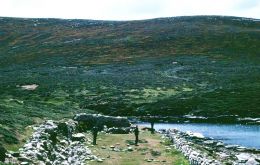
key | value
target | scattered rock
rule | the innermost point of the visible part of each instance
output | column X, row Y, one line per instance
column 112, row 146
column 209, row 142
column 220, row 144
column 142, row 141
column 252, row 161
column 243, row 157
column 194, row 134
column 64, row 142
column 231, row 146
column 78, row 137
column 130, row 149
column 155, row 153
column 149, row 160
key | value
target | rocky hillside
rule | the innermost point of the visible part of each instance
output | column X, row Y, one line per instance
column 202, row 66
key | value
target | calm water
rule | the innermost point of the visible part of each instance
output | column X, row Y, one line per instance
column 244, row 135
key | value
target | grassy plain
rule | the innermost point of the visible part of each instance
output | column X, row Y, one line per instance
column 152, row 150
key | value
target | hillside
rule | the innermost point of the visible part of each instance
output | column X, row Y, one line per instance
column 202, row 66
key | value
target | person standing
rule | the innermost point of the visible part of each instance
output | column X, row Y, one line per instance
column 136, row 131
column 95, row 132
column 152, row 126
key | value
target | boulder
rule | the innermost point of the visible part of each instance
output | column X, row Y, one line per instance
column 130, row 149
column 112, row 146
column 243, row 157
column 234, row 147
column 220, row 144
column 78, row 137
column 252, row 161
column 195, row 134
column 209, row 142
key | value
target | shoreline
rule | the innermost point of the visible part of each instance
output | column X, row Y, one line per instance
column 201, row 150
column 197, row 119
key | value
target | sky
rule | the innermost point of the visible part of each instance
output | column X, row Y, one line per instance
column 127, row 9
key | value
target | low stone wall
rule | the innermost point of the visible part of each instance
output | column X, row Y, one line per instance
column 205, row 151
column 100, row 120
column 120, row 130
column 56, row 143
column 52, row 145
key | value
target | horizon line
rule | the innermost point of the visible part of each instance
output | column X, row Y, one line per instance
column 114, row 20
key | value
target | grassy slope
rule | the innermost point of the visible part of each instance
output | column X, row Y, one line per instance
column 127, row 68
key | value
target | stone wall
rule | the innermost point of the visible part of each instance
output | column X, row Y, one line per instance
column 53, row 143
column 205, row 151
column 56, row 143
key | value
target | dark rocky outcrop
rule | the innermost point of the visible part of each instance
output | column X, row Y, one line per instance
column 2, row 153
column 91, row 120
